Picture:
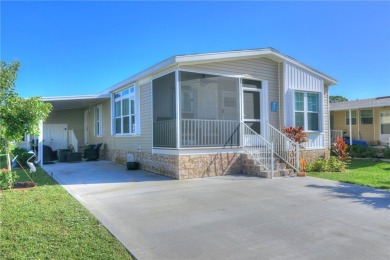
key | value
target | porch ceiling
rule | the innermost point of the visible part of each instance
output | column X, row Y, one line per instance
column 74, row 102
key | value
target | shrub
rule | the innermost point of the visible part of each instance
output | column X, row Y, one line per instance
column 359, row 151
column 7, row 179
column 333, row 164
column 340, row 149
column 386, row 153
column 295, row 133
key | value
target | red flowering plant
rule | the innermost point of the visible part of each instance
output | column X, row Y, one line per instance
column 7, row 179
column 340, row 149
column 296, row 134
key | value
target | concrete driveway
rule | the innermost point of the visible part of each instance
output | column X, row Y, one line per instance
column 231, row 217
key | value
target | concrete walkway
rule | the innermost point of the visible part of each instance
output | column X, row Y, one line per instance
column 231, row 217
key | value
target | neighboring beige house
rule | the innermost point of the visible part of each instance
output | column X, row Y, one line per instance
column 370, row 120
column 202, row 115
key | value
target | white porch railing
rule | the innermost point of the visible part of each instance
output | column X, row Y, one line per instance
column 260, row 149
column 285, row 148
column 209, row 133
column 222, row 133
column 334, row 134
column 73, row 140
column 164, row 133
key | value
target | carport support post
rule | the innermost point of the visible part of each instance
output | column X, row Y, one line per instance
column 350, row 127
column 40, row 143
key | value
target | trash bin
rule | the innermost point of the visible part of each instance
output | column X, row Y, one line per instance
column 132, row 165
column 63, row 155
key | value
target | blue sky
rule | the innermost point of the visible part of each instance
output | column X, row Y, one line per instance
column 83, row 47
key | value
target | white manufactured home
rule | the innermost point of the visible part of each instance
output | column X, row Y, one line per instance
column 202, row 115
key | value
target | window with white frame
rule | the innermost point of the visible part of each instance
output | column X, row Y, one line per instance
column 366, row 117
column 353, row 117
column 306, row 109
column 98, row 121
column 125, row 121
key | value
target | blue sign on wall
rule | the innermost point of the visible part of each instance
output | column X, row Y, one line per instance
column 274, row 106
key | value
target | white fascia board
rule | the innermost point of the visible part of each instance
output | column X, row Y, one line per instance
column 140, row 75
column 221, row 55
column 60, row 98
column 268, row 53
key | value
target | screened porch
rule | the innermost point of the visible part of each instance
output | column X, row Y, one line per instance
column 200, row 110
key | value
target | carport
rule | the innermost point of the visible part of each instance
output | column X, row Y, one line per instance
column 66, row 124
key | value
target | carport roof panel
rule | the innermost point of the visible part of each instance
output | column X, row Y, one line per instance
column 75, row 102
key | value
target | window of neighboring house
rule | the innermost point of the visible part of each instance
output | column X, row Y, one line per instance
column 353, row 117
column 306, row 109
column 385, row 123
column 366, row 117
column 98, row 121
column 125, row 112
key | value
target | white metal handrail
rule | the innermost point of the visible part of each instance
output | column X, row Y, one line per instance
column 73, row 140
column 334, row 134
column 285, row 148
column 258, row 148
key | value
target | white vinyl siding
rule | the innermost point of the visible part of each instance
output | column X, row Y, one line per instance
column 315, row 113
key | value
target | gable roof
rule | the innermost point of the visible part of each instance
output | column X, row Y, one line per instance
column 362, row 103
column 220, row 56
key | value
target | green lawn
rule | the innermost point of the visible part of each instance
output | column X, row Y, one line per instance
column 45, row 222
column 366, row 172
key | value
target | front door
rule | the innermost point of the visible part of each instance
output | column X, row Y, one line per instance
column 251, row 109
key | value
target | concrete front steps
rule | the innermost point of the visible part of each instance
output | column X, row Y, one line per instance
column 251, row 167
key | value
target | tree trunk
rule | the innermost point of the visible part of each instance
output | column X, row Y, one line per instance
column 8, row 160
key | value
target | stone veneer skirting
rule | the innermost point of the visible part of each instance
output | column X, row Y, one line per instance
column 195, row 166
column 183, row 166
column 311, row 155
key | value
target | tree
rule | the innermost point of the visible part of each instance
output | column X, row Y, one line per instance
column 18, row 116
column 335, row 99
